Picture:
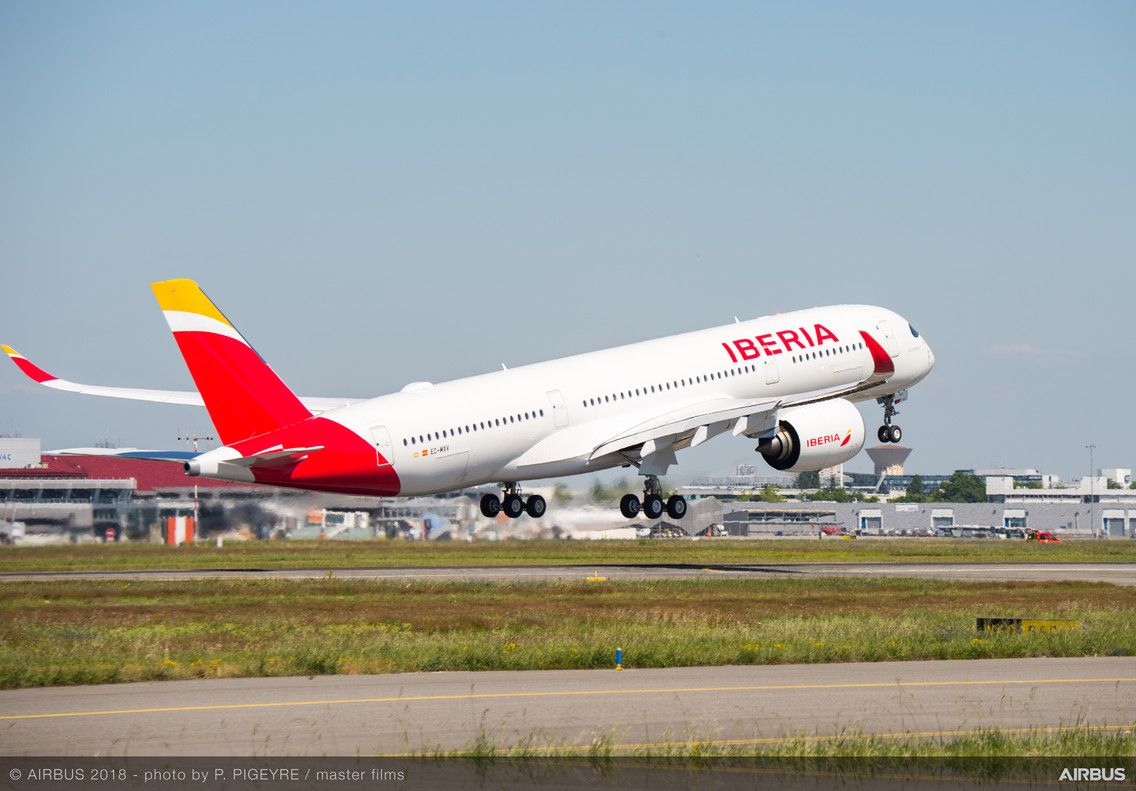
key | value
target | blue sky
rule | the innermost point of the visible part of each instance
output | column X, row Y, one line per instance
column 382, row 193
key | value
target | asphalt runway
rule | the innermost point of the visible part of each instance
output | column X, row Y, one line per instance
column 421, row 712
column 1115, row 573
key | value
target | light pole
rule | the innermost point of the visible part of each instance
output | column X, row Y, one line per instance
column 196, row 510
column 1092, row 491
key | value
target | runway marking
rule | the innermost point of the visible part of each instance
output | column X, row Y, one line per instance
column 563, row 693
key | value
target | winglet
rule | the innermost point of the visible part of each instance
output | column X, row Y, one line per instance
column 32, row 371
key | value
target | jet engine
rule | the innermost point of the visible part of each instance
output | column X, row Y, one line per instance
column 810, row 438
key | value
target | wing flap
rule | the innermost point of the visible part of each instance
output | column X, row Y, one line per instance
column 689, row 419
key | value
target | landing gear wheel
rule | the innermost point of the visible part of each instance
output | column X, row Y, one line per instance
column 895, row 433
column 490, row 506
column 652, row 506
column 676, row 507
column 535, row 506
column 882, row 434
column 513, row 506
column 629, row 506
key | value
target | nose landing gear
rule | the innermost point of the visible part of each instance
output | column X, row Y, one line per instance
column 652, row 505
column 889, row 432
column 513, row 504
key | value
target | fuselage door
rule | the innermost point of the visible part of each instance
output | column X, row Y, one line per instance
column 559, row 410
column 772, row 375
column 384, row 452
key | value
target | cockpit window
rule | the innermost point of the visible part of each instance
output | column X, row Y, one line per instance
column 914, row 331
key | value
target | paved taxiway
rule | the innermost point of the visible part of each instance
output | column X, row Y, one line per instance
column 400, row 713
column 1115, row 573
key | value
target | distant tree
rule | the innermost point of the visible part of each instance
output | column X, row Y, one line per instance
column 769, row 494
column 600, row 493
column 832, row 495
column 745, row 497
column 962, row 488
column 1114, row 484
column 1132, row 485
column 914, row 492
column 808, row 480
column 561, row 494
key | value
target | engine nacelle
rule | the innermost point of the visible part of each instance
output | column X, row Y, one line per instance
column 810, row 438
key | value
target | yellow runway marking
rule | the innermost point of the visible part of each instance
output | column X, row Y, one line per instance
column 564, row 693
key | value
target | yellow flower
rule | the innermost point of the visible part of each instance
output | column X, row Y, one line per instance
column 510, row 646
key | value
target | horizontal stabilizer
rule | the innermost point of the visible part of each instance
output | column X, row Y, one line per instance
column 275, row 458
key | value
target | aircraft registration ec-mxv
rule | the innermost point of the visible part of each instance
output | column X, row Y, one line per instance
column 788, row 381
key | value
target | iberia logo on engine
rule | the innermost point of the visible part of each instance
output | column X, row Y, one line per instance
column 825, row 439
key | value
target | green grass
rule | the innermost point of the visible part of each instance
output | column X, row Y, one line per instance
column 386, row 554
column 75, row 631
column 1081, row 740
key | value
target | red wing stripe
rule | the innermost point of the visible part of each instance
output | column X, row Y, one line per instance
column 30, row 369
column 880, row 358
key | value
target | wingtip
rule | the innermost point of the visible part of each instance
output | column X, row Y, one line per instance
column 30, row 369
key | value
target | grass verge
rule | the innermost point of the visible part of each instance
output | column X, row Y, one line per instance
column 387, row 554
column 1081, row 740
column 79, row 632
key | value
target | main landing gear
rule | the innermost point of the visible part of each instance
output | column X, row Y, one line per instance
column 513, row 504
column 888, row 432
column 652, row 504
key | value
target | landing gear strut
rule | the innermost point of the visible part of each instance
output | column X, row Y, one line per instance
column 652, row 504
column 888, row 432
column 512, row 503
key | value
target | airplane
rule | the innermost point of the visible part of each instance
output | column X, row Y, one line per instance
column 790, row 382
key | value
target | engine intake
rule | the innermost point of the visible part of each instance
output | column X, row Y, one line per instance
column 810, row 438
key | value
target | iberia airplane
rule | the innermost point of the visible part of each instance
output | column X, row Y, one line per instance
column 789, row 382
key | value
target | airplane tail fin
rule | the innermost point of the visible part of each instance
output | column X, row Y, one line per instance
column 243, row 395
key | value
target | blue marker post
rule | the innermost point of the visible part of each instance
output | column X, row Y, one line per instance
column 619, row 659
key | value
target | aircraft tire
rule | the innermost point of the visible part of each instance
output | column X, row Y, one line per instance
column 535, row 506
column 490, row 506
column 676, row 506
column 513, row 506
column 652, row 506
column 882, row 434
column 895, row 433
column 629, row 506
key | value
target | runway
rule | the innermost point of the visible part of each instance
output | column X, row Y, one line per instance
column 420, row 712
column 1114, row 573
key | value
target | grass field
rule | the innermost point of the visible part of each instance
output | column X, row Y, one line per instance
column 1082, row 740
column 376, row 554
column 73, row 631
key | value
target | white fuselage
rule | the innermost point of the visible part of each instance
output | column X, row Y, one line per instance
column 489, row 428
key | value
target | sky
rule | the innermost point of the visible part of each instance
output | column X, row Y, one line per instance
column 380, row 193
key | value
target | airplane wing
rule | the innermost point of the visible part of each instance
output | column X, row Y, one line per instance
column 126, row 453
column 654, row 441
column 192, row 398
